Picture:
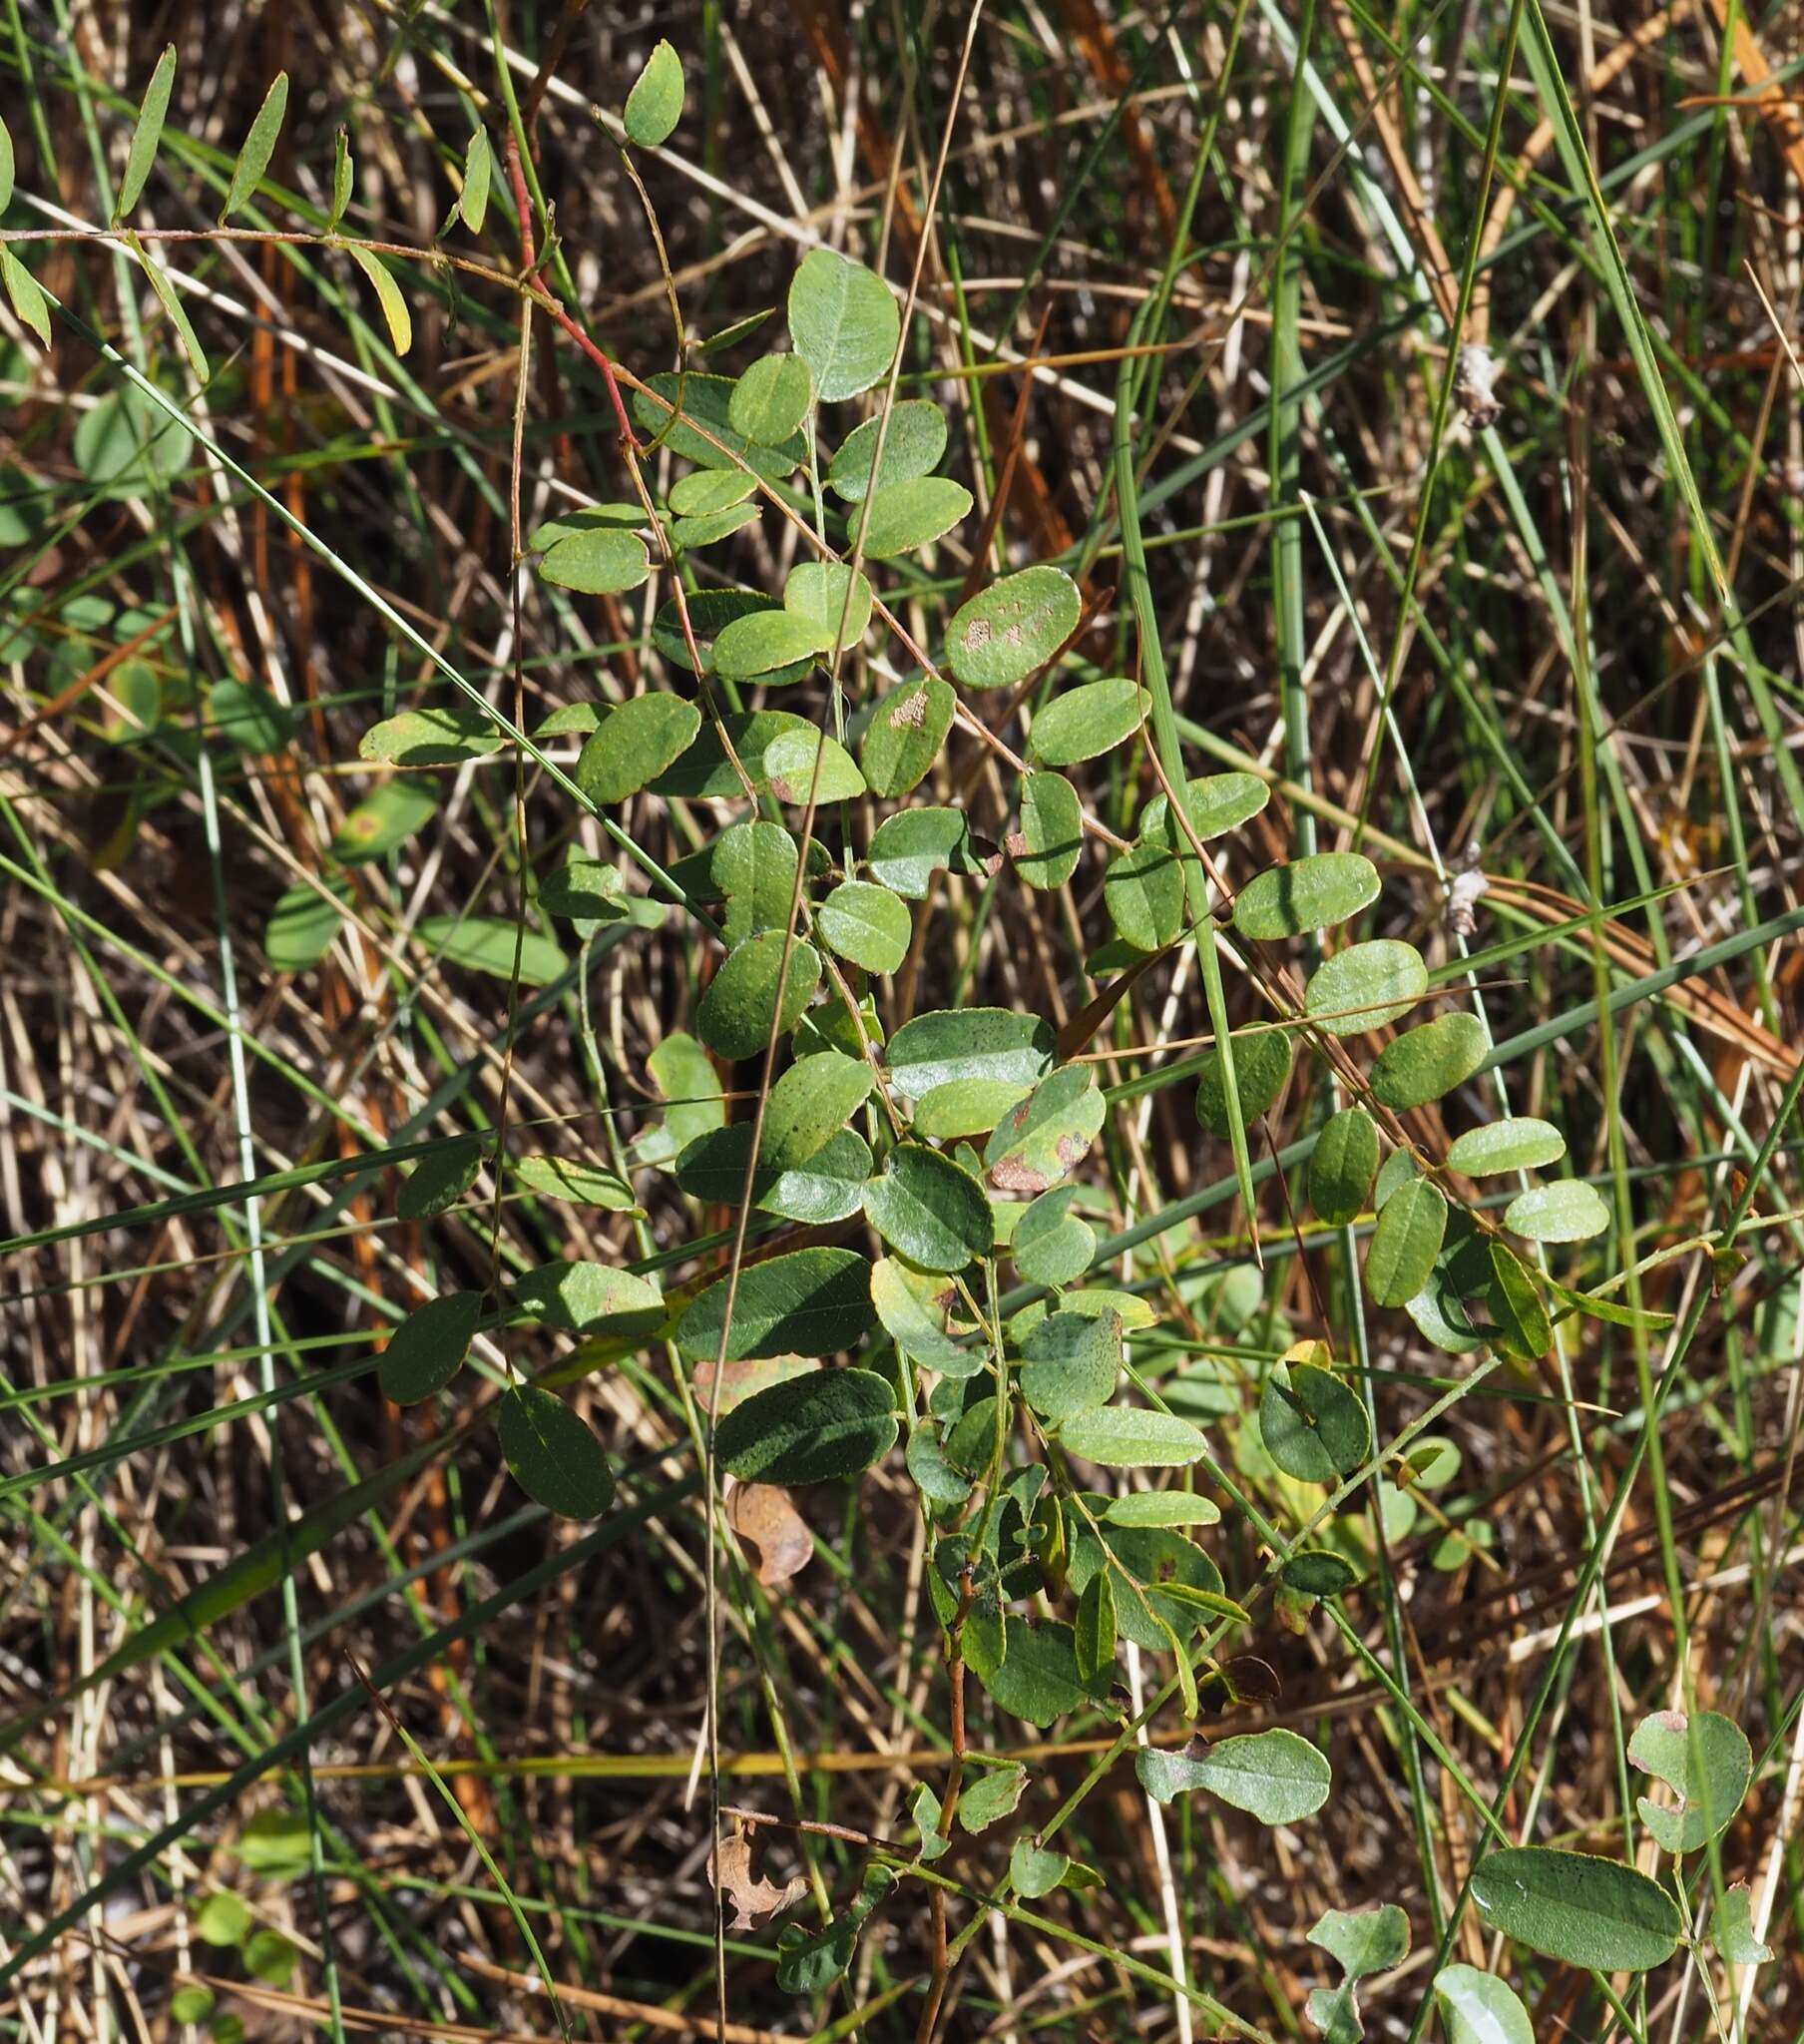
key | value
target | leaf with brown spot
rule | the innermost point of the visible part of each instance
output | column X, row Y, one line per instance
column 764, row 1515
column 753, row 1900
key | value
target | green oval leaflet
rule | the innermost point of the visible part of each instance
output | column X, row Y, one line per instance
column 809, row 1103
column 487, row 943
column 831, row 600
column 1274, row 1776
column 827, row 1185
column 1015, row 625
column 1143, row 892
column 929, row 1209
column 479, row 166
column 753, row 866
column 844, row 322
column 1127, row 1437
column 570, row 1177
column 964, row 1107
column 1094, row 1635
column 1572, row 1906
column 655, row 105
column 1085, row 721
column 601, row 561
column 1162, row 1508
column 1313, row 1426
column 903, row 516
column 904, row 733
column 771, row 399
column 1318, row 1572
column 807, row 763
column 302, row 926
column 1567, row 1211
column 633, row 744
column 1049, row 840
column 586, row 1298
column 710, row 490
column 970, row 1043
column 1038, row 1678
column 908, row 848
column 553, row 1455
column 817, row 1428
column 1406, row 1241
column 1312, row 893
column 1343, row 1165
column 439, row 1181
column 1046, row 1136
column 1261, row 1072
column 703, row 430
column 866, row 925
column 1052, row 1244
column 258, row 146
column 1427, row 1062
column 1365, row 987
column 144, row 136
column 1070, row 1363
column 809, row 1302
column 588, row 890
column 428, row 1348
column 776, row 750
column 913, row 443
column 709, row 612
column 911, row 1305
column 706, row 529
column 1478, row 2008
column 439, row 734
column 1519, row 1144
column 385, row 819
column 740, row 1010
column 1516, row 1300
column 762, row 641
